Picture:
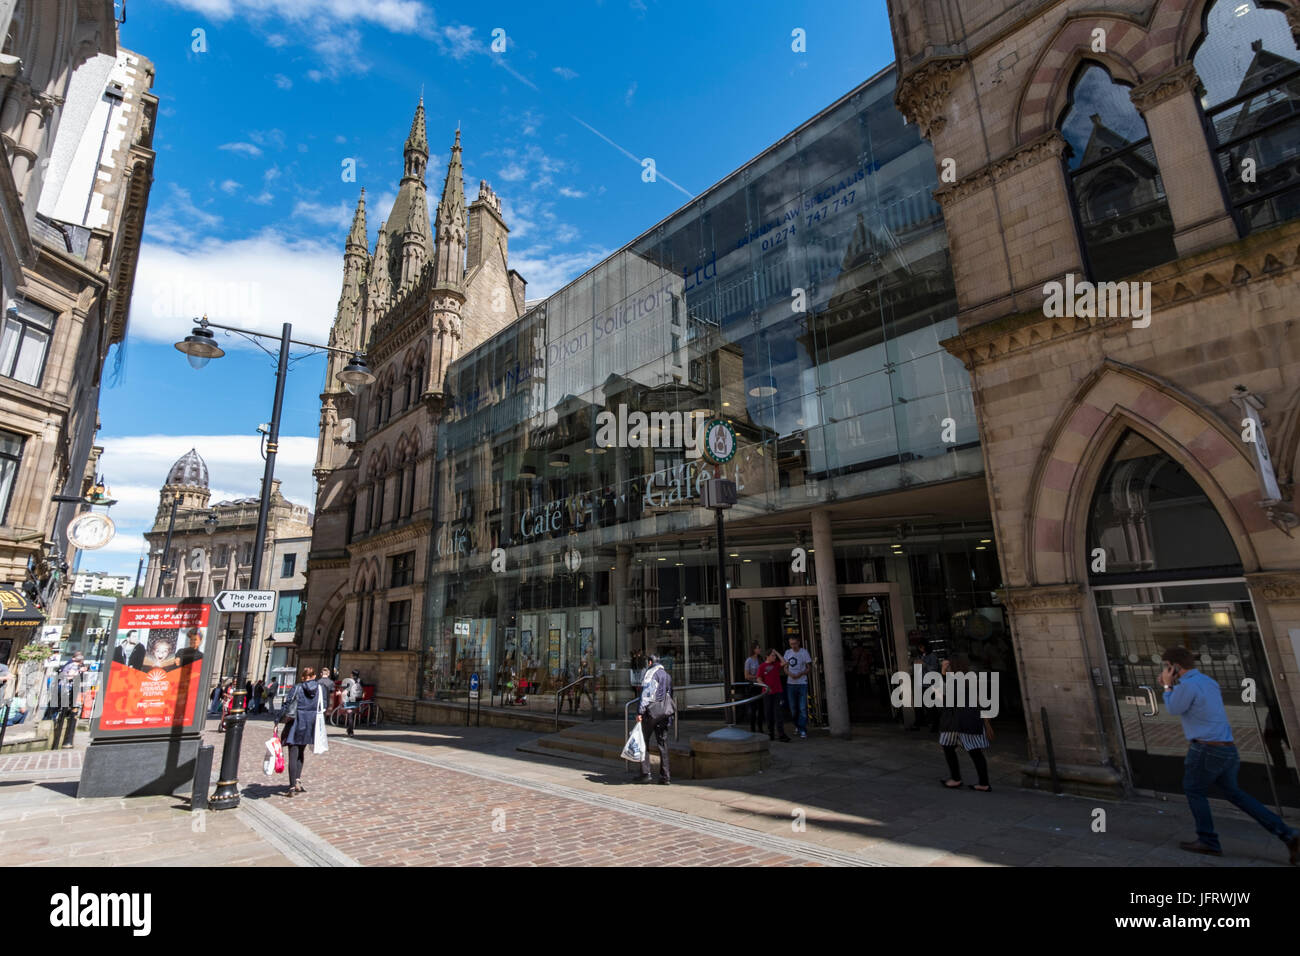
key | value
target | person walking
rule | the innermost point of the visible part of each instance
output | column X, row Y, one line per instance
column 797, row 662
column 326, row 681
column 962, row 725
column 1212, row 758
column 752, row 663
column 655, row 712
column 259, row 690
column 352, row 691
column 769, row 675
column 300, row 728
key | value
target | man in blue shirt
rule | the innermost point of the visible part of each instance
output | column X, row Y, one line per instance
column 1212, row 757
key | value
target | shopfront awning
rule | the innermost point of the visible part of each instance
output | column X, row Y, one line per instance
column 16, row 610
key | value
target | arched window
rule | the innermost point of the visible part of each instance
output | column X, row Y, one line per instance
column 1249, row 68
column 352, row 518
column 1150, row 518
column 1120, row 200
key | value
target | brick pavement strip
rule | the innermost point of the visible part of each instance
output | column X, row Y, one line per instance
column 421, row 814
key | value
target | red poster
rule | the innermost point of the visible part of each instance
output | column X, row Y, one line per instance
column 156, row 670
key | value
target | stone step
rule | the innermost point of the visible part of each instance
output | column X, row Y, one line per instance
column 599, row 747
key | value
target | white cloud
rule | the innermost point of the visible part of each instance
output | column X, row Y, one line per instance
column 137, row 465
column 570, row 193
column 460, row 42
column 229, row 187
column 399, row 16
column 512, row 173
column 257, row 283
column 248, row 149
column 631, row 92
column 547, row 272
column 337, row 216
column 178, row 219
column 565, row 72
column 283, row 82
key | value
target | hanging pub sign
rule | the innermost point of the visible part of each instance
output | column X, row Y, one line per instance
column 154, row 681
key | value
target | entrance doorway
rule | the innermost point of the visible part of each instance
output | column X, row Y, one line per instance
column 1165, row 572
column 872, row 641
column 1214, row 620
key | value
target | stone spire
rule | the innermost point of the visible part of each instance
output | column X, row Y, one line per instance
column 416, row 150
column 398, row 258
column 357, row 236
column 450, row 224
column 415, row 237
column 349, row 316
column 379, row 290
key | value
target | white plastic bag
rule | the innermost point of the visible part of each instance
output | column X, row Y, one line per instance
column 320, row 741
column 273, row 762
column 634, row 749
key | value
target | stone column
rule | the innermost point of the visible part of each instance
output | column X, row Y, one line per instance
column 828, row 610
column 1187, row 166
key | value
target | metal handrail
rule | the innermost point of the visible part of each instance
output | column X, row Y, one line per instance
column 559, row 698
column 728, row 703
column 686, row 687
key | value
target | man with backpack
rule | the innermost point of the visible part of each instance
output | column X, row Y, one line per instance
column 352, row 691
column 655, row 712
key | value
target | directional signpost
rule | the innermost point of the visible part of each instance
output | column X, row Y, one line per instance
column 245, row 602
column 473, row 696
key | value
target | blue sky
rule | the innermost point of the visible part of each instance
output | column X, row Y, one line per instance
column 262, row 112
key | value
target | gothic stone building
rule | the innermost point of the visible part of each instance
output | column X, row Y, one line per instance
column 423, row 296
column 1155, row 143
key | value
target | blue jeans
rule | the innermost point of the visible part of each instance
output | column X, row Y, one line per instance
column 797, row 694
column 1207, row 766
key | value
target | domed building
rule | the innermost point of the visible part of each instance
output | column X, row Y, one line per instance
column 211, row 550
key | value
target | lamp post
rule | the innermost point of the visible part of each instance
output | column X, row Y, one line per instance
column 199, row 347
column 164, row 570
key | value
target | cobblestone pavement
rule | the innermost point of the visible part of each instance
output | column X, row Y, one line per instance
column 466, row 796
column 381, row 808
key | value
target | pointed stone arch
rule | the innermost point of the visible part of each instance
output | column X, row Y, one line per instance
column 1191, row 25
column 1114, row 398
column 1129, row 58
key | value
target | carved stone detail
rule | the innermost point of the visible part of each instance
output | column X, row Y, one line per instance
column 1048, row 146
column 1051, row 597
column 1276, row 585
column 921, row 96
column 1182, row 79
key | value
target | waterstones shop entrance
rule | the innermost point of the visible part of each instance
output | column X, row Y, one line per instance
column 873, row 642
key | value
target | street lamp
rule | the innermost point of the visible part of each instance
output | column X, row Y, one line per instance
column 199, row 347
column 211, row 521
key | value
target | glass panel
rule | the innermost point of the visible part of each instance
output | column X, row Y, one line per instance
column 1137, row 627
column 1149, row 514
column 1118, row 194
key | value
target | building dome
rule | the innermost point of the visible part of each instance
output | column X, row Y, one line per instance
column 190, row 470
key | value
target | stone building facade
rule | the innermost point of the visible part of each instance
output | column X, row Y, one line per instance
column 1127, row 449
column 76, row 123
column 212, row 550
column 427, row 292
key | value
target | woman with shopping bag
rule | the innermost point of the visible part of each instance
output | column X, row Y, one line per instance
column 301, row 710
column 656, row 712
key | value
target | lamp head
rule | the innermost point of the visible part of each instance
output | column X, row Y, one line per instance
column 200, row 346
column 356, row 373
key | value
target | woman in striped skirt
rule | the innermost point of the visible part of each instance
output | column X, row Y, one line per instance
column 962, row 725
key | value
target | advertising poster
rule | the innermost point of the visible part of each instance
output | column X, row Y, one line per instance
column 154, row 678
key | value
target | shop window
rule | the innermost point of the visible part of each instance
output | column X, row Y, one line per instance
column 402, row 569
column 11, row 456
column 399, row 625
column 1119, row 197
column 1149, row 517
column 286, row 611
column 26, row 342
column 1249, row 68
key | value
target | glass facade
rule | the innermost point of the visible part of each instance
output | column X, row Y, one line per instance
column 803, row 300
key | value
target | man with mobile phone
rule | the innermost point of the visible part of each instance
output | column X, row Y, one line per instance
column 1212, row 758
